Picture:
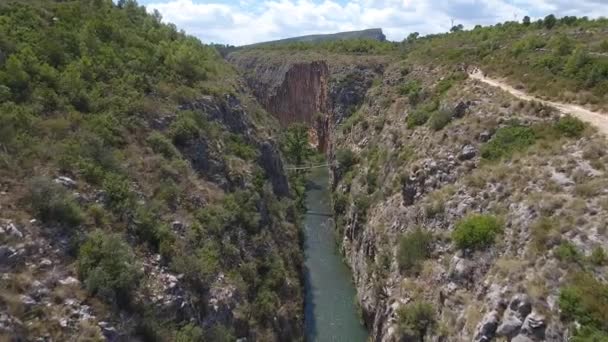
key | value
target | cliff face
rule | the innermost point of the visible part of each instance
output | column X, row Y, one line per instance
column 312, row 90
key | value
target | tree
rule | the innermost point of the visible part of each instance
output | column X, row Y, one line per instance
column 295, row 144
column 526, row 21
column 457, row 28
column 107, row 266
column 550, row 21
column 412, row 37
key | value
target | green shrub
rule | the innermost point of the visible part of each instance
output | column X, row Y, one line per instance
column 346, row 159
column 416, row 320
column 340, row 202
column 567, row 252
column 219, row 333
column 150, row 229
column 362, row 204
column 161, row 144
column 266, row 304
column 476, row 231
column 52, row 203
column 189, row 333
column 414, row 248
column 107, row 267
column 411, row 87
column 585, row 301
column 117, row 192
column 570, row 126
column 439, row 119
column 238, row 147
column 184, row 129
column 598, row 256
column 508, row 140
column 417, row 118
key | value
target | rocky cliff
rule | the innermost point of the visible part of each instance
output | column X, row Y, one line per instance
column 314, row 90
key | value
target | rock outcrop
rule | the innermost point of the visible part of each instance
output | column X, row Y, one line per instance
column 318, row 92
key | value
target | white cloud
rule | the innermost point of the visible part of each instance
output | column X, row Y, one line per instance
column 248, row 21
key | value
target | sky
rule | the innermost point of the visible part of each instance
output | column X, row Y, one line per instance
column 239, row 22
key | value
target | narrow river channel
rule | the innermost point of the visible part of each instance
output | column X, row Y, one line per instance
column 330, row 311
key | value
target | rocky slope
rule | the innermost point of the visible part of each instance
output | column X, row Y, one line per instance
column 433, row 178
column 140, row 199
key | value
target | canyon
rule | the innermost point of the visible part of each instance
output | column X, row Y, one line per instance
column 408, row 177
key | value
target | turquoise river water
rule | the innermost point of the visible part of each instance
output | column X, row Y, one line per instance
column 330, row 311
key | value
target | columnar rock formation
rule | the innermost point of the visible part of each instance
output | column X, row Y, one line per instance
column 315, row 91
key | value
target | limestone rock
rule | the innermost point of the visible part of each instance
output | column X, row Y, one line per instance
column 535, row 325
column 273, row 166
column 487, row 328
column 66, row 181
column 468, row 152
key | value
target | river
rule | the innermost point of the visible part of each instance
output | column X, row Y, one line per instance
column 330, row 310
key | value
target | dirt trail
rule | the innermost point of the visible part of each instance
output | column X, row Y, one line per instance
column 596, row 119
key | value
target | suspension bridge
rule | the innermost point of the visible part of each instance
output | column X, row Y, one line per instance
column 306, row 167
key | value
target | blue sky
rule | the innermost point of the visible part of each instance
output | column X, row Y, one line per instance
column 248, row 21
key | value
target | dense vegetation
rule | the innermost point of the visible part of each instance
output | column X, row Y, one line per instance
column 342, row 46
column 476, row 231
column 565, row 59
column 97, row 91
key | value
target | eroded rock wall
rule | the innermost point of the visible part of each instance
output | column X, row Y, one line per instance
column 317, row 91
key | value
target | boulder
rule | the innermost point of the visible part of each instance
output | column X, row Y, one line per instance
column 486, row 330
column 485, row 136
column 535, row 326
column 468, row 152
column 460, row 110
column 521, row 305
column 522, row 338
column 510, row 325
column 66, row 181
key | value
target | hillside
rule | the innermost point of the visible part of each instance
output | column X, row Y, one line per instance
column 464, row 212
column 372, row 34
column 142, row 193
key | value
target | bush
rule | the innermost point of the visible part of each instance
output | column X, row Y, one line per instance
column 238, row 147
column 411, row 87
column 340, row 202
column 117, row 192
column 107, row 267
column 508, row 140
column 52, row 203
column 150, row 229
column 567, row 252
column 476, row 231
column 346, row 159
column 414, row 248
column 585, row 301
column 598, row 257
column 570, row 126
column 417, row 118
column 439, row 119
column 184, row 129
column 416, row 319
column 189, row 333
column 160, row 144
